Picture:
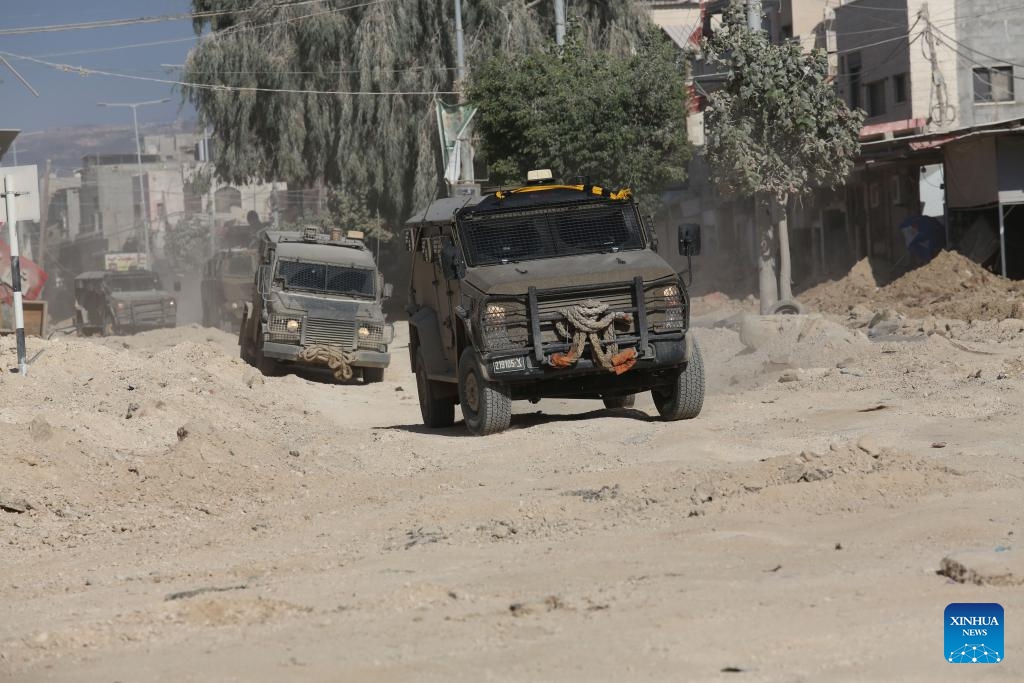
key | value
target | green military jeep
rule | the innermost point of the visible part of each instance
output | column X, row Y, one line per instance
column 545, row 291
column 317, row 300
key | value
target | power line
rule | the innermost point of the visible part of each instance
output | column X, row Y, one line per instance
column 978, row 52
column 86, row 71
column 114, row 23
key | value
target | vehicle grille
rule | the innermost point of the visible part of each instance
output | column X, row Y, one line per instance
column 617, row 300
column 330, row 332
column 148, row 313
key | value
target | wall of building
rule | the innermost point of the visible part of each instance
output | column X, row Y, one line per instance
column 865, row 60
column 996, row 31
column 887, row 38
column 804, row 20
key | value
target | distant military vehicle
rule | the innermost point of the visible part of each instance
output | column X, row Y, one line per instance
column 546, row 291
column 226, row 286
column 316, row 300
column 122, row 302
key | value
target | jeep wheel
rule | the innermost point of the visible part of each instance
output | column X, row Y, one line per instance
column 486, row 406
column 373, row 375
column 269, row 367
column 245, row 336
column 683, row 399
column 109, row 329
column 620, row 402
column 437, row 411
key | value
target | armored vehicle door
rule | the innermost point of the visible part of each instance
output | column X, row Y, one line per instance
column 436, row 287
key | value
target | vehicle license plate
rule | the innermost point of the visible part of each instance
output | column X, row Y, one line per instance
column 510, row 364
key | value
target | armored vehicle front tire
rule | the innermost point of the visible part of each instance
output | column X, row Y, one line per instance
column 437, row 410
column 373, row 375
column 486, row 406
column 684, row 397
column 620, row 402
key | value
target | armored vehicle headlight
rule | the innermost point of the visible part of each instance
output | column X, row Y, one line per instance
column 170, row 302
column 672, row 295
column 371, row 336
column 494, row 315
column 665, row 308
column 120, row 305
column 292, row 326
column 504, row 325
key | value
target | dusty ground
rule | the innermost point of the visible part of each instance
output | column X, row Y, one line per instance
column 791, row 533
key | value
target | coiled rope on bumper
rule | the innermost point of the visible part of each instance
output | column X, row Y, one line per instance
column 591, row 321
column 338, row 360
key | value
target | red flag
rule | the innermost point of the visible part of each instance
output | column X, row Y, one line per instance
column 32, row 276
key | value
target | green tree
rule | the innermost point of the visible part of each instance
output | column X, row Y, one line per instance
column 616, row 119
column 347, row 211
column 188, row 243
column 776, row 129
column 382, row 146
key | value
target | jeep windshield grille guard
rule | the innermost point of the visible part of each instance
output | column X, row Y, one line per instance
column 326, row 279
column 550, row 231
column 134, row 283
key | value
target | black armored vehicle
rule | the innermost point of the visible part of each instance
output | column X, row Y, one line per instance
column 226, row 285
column 121, row 302
column 546, row 291
column 317, row 300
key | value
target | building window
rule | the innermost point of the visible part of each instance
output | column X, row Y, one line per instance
column 853, row 64
column 876, row 98
column 899, row 87
column 993, row 84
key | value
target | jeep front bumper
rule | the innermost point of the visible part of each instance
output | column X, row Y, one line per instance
column 361, row 358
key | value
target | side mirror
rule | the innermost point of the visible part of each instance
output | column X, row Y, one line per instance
column 177, row 285
column 389, row 289
column 689, row 239
column 452, row 265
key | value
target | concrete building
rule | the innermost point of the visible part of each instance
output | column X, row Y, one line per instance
column 180, row 147
column 989, row 45
column 730, row 240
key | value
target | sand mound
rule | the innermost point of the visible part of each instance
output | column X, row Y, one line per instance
column 950, row 286
column 808, row 341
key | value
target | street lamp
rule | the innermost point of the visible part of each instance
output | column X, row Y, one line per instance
column 138, row 154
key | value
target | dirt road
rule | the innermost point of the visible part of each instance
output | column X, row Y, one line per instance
column 167, row 514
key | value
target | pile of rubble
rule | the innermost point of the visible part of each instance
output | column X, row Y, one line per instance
column 950, row 286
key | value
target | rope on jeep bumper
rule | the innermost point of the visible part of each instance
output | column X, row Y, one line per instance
column 338, row 360
column 590, row 321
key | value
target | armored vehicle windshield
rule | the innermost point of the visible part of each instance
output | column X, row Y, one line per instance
column 135, row 282
column 326, row 278
column 504, row 235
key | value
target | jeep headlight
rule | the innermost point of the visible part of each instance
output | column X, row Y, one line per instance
column 503, row 325
column 371, row 336
column 666, row 308
column 286, row 328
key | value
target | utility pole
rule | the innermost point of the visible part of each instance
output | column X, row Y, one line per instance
column 460, row 50
column 754, row 21
column 560, row 22
column 938, row 82
column 44, row 216
column 465, row 144
column 207, row 157
column 138, row 156
column 10, row 197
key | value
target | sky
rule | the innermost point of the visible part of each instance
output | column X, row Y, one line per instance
column 70, row 99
